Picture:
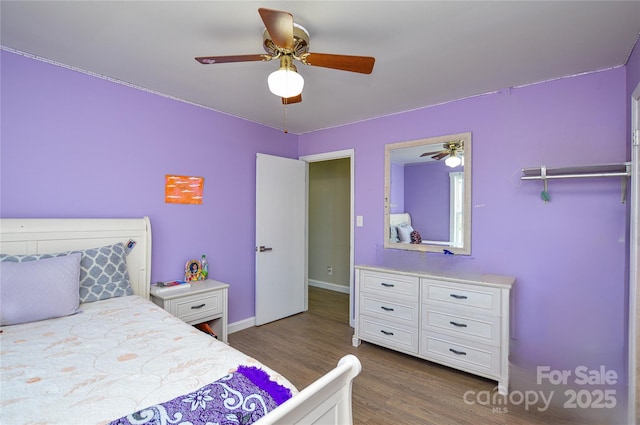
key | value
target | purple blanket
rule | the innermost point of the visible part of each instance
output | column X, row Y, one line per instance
column 241, row 397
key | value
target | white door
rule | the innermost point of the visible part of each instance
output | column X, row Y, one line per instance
column 281, row 266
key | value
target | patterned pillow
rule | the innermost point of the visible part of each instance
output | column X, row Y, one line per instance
column 103, row 271
column 394, row 235
column 415, row 237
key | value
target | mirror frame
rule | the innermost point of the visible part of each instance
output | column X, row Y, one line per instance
column 466, row 246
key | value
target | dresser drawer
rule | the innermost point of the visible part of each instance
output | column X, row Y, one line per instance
column 388, row 284
column 481, row 299
column 475, row 358
column 479, row 328
column 197, row 307
column 389, row 309
column 391, row 335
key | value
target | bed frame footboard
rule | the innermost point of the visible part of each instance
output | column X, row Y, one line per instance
column 326, row 401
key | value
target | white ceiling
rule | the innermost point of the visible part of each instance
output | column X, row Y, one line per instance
column 427, row 52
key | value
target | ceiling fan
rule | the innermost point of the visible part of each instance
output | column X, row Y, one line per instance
column 453, row 149
column 287, row 41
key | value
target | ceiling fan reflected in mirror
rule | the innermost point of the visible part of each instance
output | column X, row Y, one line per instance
column 453, row 150
column 287, row 41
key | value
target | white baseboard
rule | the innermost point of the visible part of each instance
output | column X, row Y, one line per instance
column 330, row 286
column 251, row 321
column 240, row 325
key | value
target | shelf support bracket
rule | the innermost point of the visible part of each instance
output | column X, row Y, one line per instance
column 544, row 194
column 625, row 183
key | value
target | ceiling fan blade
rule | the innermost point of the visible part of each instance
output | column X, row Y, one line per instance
column 206, row 60
column 440, row 155
column 290, row 100
column 279, row 25
column 361, row 64
column 432, row 153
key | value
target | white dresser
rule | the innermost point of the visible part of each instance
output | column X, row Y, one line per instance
column 457, row 320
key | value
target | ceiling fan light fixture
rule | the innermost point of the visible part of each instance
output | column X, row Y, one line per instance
column 285, row 82
column 453, row 160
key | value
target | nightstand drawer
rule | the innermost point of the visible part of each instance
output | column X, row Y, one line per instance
column 198, row 306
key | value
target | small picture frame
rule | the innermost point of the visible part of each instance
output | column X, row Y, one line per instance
column 129, row 246
column 193, row 271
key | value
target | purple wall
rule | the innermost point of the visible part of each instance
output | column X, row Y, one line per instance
column 396, row 188
column 427, row 199
column 78, row 146
column 568, row 255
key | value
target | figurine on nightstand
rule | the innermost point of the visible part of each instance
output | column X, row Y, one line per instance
column 205, row 266
column 193, row 271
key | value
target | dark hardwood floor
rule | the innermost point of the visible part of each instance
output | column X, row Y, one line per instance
column 393, row 388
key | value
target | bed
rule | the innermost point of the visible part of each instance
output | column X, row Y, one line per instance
column 119, row 358
column 396, row 223
column 401, row 228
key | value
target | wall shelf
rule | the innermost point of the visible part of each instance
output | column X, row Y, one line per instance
column 622, row 170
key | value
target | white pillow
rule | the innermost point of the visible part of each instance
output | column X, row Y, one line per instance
column 404, row 232
column 39, row 289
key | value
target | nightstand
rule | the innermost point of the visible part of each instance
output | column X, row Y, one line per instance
column 204, row 301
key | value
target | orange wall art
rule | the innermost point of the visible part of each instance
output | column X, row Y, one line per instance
column 183, row 189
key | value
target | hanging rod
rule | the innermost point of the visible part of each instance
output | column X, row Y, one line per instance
column 543, row 173
column 571, row 176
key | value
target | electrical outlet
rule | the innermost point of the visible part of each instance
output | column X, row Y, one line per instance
column 330, row 270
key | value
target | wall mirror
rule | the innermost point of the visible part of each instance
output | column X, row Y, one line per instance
column 428, row 191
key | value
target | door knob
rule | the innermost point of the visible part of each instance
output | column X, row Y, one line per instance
column 263, row 248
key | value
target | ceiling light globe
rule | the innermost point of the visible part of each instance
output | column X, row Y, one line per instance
column 285, row 83
column 453, row 161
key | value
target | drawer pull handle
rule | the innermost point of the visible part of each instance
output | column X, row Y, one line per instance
column 458, row 297
column 460, row 325
column 460, row 353
column 196, row 307
column 387, row 285
column 386, row 332
column 386, row 308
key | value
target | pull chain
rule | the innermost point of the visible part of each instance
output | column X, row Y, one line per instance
column 285, row 119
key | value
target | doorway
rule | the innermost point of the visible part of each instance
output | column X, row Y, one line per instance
column 330, row 222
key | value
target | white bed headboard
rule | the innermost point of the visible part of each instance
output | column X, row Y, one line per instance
column 23, row 236
column 398, row 219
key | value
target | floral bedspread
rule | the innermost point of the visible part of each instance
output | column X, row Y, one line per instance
column 242, row 397
column 115, row 357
